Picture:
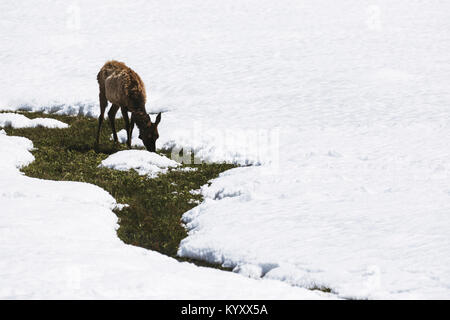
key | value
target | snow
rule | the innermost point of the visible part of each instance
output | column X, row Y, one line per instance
column 59, row 241
column 20, row 121
column 144, row 162
column 329, row 230
column 14, row 152
column 340, row 108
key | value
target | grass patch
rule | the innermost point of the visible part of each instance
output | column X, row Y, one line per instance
column 152, row 220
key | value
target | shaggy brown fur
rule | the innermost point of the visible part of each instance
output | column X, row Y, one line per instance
column 124, row 88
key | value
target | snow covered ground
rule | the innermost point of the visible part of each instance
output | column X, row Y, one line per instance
column 20, row 121
column 144, row 162
column 342, row 106
column 58, row 241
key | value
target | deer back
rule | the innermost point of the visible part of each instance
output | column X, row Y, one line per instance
column 122, row 86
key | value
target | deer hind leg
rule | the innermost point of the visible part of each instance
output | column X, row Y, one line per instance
column 112, row 115
column 131, row 126
column 127, row 125
column 103, row 105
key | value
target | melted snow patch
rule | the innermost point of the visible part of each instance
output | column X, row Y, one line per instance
column 144, row 162
column 20, row 121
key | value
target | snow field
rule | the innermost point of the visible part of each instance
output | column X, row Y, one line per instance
column 350, row 191
column 20, row 121
column 59, row 241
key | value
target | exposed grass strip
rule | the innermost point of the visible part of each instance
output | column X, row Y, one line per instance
column 152, row 219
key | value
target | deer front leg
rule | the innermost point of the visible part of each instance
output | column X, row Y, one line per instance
column 131, row 128
column 127, row 125
column 112, row 115
column 103, row 105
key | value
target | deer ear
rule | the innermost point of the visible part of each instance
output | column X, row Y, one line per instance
column 158, row 118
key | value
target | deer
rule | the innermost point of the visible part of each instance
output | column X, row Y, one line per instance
column 123, row 87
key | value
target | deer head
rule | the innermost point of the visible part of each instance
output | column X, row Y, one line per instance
column 148, row 132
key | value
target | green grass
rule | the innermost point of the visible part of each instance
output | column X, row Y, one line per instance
column 156, row 205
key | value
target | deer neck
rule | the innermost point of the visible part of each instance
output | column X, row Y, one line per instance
column 141, row 119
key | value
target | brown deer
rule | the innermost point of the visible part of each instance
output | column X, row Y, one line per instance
column 125, row 90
